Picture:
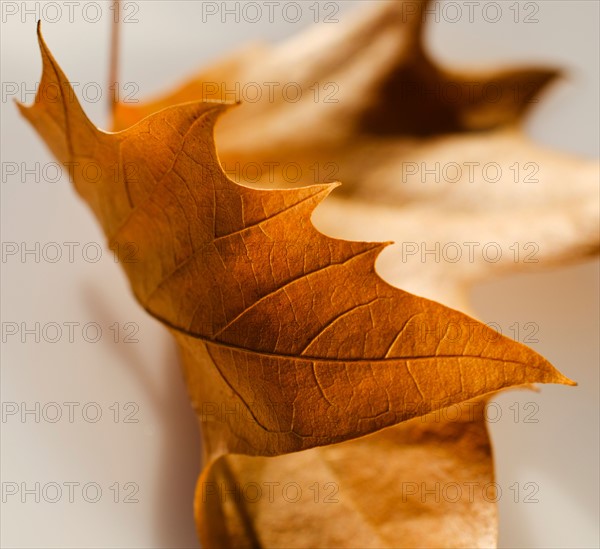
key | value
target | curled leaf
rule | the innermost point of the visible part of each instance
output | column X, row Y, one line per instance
column 292, row 330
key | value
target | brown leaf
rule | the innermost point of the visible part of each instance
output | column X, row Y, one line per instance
column 427, row 482
column 430, row 156
column 359, row 85
column 385, row 99
column 274, row 320
column 395, row 114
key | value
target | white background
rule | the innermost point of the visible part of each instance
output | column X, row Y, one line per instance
column 160, row 453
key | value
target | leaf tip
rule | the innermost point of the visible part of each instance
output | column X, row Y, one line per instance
column 559, row 378
column 40, row 37
column 547, row 373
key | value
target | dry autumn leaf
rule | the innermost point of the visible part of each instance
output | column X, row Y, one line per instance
column 340, row 353
column 434, row 158
column 376, row 80
column 376, row 491
column 395, row 119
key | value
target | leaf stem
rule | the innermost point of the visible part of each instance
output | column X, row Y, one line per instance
column 113, row 85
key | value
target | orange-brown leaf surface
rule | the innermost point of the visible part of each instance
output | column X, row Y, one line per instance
column 427, row 482
column 291, row 329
